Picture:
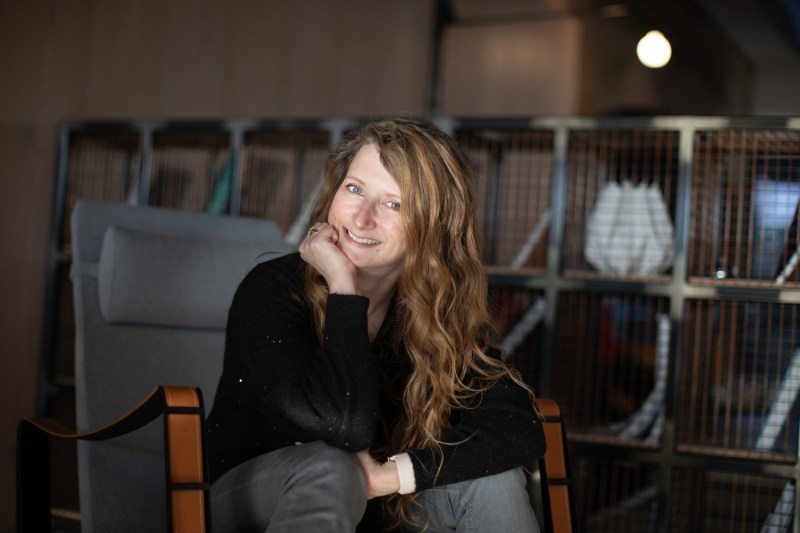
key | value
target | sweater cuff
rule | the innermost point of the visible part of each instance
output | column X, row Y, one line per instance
column 405, row 469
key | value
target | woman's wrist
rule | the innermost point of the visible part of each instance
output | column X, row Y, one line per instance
column 405, row 472
column 389, row 479
column 382, row 478
column 342, row 286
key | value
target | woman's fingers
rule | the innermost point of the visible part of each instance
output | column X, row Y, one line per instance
column 320, row 251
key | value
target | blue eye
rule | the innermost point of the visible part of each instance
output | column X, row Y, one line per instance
column 353, row 188
column 394, row 205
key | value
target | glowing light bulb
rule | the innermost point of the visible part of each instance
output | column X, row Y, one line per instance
column 654, row 50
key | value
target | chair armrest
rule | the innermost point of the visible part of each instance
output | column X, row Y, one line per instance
column 555, row 473
column 184, row 450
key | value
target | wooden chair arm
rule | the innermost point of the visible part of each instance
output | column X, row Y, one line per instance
column 184, row 450
column 554, row 469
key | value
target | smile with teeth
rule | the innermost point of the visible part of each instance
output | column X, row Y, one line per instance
column 360, row 240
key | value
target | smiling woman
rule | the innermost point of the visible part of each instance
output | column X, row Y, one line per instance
column 378, row 356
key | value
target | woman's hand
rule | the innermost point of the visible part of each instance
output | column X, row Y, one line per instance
column 382, row 479
column 319, row 250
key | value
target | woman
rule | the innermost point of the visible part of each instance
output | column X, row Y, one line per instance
column 363, row 367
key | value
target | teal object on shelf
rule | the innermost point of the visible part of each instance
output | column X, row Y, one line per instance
column 222, row 190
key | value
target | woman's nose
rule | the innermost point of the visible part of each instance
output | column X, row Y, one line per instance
column 365, row 215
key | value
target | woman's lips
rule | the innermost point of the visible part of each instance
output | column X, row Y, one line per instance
column 360, row 240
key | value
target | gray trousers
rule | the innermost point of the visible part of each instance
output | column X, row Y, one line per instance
column 316, row 487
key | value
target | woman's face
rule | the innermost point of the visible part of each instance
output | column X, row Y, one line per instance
column 366, row 214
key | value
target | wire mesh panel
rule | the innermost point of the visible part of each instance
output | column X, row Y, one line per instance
column 739, row 379
column 514, row 173
column 745, row 193
column 610, row 366
column 615, row 496
column 281, row 172
column 620, row 210
column 191, row 170
column 725, row 502
column 518, row 315
column 101, row 165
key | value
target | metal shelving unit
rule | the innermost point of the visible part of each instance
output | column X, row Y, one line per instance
column 678, row 384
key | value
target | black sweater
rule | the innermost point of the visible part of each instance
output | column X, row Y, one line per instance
column 279, row 387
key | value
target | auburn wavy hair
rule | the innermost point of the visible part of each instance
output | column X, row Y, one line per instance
column 441, row 294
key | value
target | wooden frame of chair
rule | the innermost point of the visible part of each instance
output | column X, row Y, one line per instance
column 188, row 506
column 558, row 503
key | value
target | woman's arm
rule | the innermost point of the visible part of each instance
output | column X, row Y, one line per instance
column 325, row 393
column 502, row 433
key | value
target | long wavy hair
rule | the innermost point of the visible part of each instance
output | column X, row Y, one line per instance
column 441, row 294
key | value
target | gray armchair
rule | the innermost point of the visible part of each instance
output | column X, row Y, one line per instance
column 152, row 289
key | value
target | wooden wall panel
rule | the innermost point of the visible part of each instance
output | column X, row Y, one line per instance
column 257, row 59
column 26, row 148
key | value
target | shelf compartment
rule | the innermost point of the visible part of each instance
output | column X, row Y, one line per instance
column 729, row 502
column 610, row 365
column 615, row 496
column 514, row 171
column 282, row 171
column 102, row 164
column 744, row 205
column 189, row 170
column 518, row 317
column 597, row 162
column 739, row 378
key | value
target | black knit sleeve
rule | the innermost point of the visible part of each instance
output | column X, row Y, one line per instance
column 327, row 392
column 501, row 433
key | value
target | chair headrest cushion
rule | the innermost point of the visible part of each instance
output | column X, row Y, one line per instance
column 169, row 280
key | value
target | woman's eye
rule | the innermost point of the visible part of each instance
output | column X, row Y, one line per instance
column 353, row 188
column 393, row 205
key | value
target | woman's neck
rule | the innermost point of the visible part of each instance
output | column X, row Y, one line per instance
column 375, row 317
column 379, row 292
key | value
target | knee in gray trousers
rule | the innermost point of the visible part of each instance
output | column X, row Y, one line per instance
column 312, row 487
column 498, row 503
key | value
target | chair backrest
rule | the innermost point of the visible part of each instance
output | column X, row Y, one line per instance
column 152, row 289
